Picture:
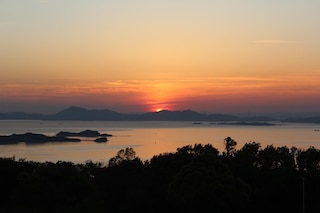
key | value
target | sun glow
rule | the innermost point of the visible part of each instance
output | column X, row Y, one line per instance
column 159, row 110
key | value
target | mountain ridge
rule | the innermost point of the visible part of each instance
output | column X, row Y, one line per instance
column 82, row 114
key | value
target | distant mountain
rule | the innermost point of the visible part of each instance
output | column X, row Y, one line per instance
column 186, row 115
column 303, row 120
column 257, row 118
column 21, row 116
column 77, row 113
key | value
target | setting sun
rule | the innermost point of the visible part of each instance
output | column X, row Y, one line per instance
column 158, row 110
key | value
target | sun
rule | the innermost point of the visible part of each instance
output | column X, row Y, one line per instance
column 158, row 110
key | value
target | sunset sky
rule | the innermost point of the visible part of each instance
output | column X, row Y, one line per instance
column 218, row 56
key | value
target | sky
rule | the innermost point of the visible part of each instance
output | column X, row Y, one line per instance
column 217, row 56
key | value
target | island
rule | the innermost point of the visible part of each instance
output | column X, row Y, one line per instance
column 101, row 140
column 33, row 138
column 85, row 133
column 248, row 123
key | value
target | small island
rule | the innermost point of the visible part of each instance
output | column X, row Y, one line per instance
column 85, row 133
column 101, row 140
column 248, row 123
column 33, row 138
column 197, row 123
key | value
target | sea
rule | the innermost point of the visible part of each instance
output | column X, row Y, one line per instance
column 147, row 138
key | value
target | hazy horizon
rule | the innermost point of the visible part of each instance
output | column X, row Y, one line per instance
column 279, row 115
column 137, row 56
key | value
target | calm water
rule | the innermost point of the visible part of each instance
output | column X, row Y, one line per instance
column 147, row 138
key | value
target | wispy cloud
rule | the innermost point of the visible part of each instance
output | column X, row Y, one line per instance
column 273, row 41
column 167, row 90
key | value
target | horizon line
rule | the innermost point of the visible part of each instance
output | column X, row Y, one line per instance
column 162, row 110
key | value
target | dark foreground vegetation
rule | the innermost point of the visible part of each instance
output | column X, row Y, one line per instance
column 193, row 179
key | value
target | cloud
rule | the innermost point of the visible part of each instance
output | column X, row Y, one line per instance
column 273, row 41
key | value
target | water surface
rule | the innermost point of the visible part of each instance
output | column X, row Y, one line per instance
column 147, row 138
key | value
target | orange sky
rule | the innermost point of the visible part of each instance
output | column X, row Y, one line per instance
column 136, row 56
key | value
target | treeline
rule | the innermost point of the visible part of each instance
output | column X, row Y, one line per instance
column 195, row 178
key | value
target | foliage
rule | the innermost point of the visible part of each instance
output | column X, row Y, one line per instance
column 198, row 149
column 230, row 146
column 126, row 154
column 309, row 160
column 193, row 179
column 207, row 185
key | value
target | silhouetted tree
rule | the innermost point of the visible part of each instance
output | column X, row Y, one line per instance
column 277, row 158
column 309, row 160
column 197, row 149
column 246, row 161
column 309, row 169
column 230, row 146
column 206, row 185
column 126, row 154
column 193, row 179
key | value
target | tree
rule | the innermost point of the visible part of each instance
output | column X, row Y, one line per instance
column 197, row 149
column 309, row 160
column 207, row 185
column 272, row 158
column 246, row 162
column 309, row 167
column 127, row 154
column 230, row 146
